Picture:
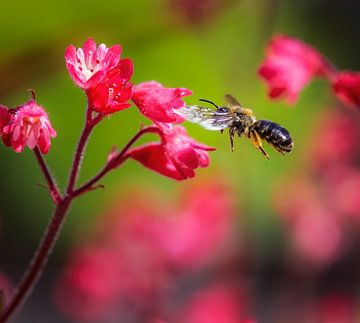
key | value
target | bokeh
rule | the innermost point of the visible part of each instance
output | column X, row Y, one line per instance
column 246, row 240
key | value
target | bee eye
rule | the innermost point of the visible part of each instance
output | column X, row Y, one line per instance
column 223, row 110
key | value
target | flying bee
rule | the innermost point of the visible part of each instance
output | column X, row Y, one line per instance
column 240, row 121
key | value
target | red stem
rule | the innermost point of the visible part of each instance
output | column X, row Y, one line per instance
column 89, row 125
column 38, row 262
column 54, row 191
column 116, row 161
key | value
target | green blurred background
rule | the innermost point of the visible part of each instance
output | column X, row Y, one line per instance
column 211, row 52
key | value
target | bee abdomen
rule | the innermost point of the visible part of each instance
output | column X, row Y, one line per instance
column 275, row 135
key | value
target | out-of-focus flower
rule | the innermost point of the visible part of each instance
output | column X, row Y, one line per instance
column 90, row 284
column 316, row 231
column 114, row 90
column 157, row 102
column 197, row 11
column 192, row 235
column 29, row 125
column 336, row 140
column 337, row 308
column 342, row 185
column 129, row 263
column 177, row 156
column 289, row 65
column 88, row 65
column 215, row 304
column 346, row 86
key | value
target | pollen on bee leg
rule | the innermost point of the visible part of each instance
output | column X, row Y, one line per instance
column 256, row 140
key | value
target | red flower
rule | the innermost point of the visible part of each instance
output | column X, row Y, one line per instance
column 289, row 65
column 347, row 88
column 5, row 117
column 29, row 125
column 157, row 102
column 114, row 91
column 176, row 156
column 88, row 65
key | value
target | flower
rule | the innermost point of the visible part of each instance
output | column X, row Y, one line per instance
column 289, row 65
column 157, row 102
column 114, row 91
column 5, row 117
column 88, row 65
column 218, row 303
column 176, row 156
column 29, row 125
column 347, row 88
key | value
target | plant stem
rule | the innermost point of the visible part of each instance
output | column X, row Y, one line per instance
column 115, row 161
column 89, row 125
column 54, row 191
column 39, row 260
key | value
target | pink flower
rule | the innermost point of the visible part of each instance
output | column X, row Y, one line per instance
column 88, row 65
column 90, row 284
column 289, row 65
column 5, row 117
column 177, row 156
column 347, row 88
column 157, row 102
column 114, row 91
column 29, row 125
column 216, row 304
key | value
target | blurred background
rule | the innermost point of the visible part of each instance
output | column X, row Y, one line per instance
column 246, row 240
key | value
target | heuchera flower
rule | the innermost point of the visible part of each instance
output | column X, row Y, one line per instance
column 88, row 65
column 114, row 90
column 29, row 125
column 289, row 65
column 177, row 156
column 157, row 102
column 347, row 88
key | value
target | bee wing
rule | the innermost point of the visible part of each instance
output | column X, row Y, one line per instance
column 207, row 118
column 232, row 101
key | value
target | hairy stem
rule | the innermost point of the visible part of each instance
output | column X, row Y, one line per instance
column 54, row 191
column 38, row 262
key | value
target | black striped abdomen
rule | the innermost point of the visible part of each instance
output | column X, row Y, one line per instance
column 275, row 135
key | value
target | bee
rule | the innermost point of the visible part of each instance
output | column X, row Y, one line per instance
column 241, row 122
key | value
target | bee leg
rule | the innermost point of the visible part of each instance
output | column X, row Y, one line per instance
column 231, row 136
column 256, row 140
column 221, row 131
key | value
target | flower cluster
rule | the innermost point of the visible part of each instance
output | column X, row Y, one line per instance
column 105, row 77
column 319, row 203
column 291, row 64
column 144, row 252
column 26, row 125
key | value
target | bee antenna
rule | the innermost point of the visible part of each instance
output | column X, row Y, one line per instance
column 209, row 102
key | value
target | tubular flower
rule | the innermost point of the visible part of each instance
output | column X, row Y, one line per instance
column 289, row 65
column 29, row 125
column 157, row 102
column 347, row 88
column 114, row 91
column 177, row 156
column 88, row 65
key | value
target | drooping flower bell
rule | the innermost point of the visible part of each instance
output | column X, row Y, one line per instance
column 289, row 65
column 176, row 156
column 346, row 86
column 157, row 102
column 28, row 125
